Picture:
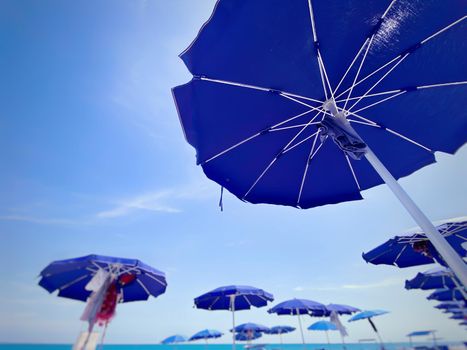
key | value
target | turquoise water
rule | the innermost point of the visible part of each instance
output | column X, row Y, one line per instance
column 363, row 346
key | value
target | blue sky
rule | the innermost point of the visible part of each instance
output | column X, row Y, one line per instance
column 93, row 160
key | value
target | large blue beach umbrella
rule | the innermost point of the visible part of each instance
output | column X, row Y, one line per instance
column 174, row 339
column 233, row 298
column 206, row 334
column 300, row 307
column 289, row 100
column 369, row 315
column 323, row 326
column 414, row 248
column 133, row 279
column 439, row 277
column 280, row 330
column 447, row 295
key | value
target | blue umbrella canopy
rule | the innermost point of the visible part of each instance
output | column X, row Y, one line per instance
column 263, row 109
column 459, row 316
column 463, row 323
column 414, row 248
column 367, row 314
column 280, row 330
column 299, row 307
column 420, row 333
column 247, row 336
column 342, row 309
column 71, row 276
column 250, row 327
column 262, row 80
column 451, row 305
column 446, row 295
column 206, row 334
column 244, row 298
column 323, row 326
column 177, row 338
column 439, row 277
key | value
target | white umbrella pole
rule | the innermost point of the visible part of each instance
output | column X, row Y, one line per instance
column 327, row 337
column 232, row 307
column 343, row 341
column 301, row 328
column 451, row 257
column 280, row 337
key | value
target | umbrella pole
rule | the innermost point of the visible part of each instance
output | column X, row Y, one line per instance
column 280, row 338
column 232, row 307
column 440, row 243
column 343, row 342
column 301, row 328
column 377, row 333
column 410, row 340
column 327, row 337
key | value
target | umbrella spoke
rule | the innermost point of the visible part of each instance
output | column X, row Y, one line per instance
column 368, row 41
column 380, row 101
column 374, row 124
column 302, row 141
column 74, row 282
column 255, row 87
column 307, row 164
column 278, row 155
column 292, row 127
column 405, row 54
column 353, row 172
column 143, row 286
column 163, row 283
column 255, row 135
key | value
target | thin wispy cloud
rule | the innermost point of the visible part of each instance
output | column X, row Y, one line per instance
column 370, row 285
column 169, row 201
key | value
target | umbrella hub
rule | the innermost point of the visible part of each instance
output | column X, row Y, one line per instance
column 336, row 126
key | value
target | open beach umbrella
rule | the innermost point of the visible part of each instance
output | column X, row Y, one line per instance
column 206, row 334
column 247, row 336
column 250, row 327
column 323, row 326
column 463, row 323
column 300, row 307
column 368, row 315
column 414, row 248
column 326, row 98
column 102, row 282
column 342, row 309
column 233, row 298
column 421, row 334
column 447, row 295
column 439, row 277
column 447, row 305
column 280, row 330
column 174, row 339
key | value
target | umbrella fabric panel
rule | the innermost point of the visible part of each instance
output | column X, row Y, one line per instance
column 245, row 297
column 323, row 326
column 76, row 290
column 52, row 282
column 446, row 295
column 260, row 43
column 450, row 305
column 206, row 334
column 367, row 314
column 433, row 279
column 342, row 309
column 299, row 307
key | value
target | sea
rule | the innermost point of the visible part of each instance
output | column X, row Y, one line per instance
column 349, row 346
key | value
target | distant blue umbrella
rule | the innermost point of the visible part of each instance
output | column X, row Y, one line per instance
column 439, row 277
column 280, row 330
column 174, row 339
column 233, row 298
column 300, row 307
column 273, row 96
column 250, row 327
column 323, row 326
column 342, row 309
column 447, row 305
column 460, row 316
column 368, row 315
column 421, row 334
column 247, row 336
column 206, row 334
column 133, row 280
column 463, row 323
column 446, row 295
column 415, row 249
